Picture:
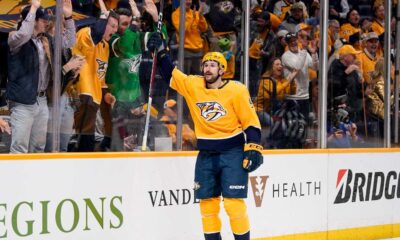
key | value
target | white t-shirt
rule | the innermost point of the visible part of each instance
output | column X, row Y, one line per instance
column 301, row 60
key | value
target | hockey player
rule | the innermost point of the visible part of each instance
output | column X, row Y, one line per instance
column 228, row 133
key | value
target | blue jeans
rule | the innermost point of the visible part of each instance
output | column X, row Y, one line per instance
column 66, row 121
column 29, row 126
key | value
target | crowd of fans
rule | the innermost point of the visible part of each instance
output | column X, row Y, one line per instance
column 107, row 67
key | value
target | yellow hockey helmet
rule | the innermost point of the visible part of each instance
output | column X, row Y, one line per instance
column 216, row 57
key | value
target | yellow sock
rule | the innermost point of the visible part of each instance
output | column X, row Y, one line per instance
column 237, row 212
column 209, row 209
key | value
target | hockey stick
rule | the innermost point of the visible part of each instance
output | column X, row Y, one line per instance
column 152, row 76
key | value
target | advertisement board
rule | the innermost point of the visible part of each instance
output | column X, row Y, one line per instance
column 307, row 195
column 295, row 188
column 364, row 190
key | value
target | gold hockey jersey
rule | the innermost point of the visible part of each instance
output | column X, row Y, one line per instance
column 93, row 72
column 218, row 114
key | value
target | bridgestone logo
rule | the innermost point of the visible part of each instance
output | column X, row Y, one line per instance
column 371, row 186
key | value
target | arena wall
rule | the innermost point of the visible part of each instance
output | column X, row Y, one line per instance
column 308, row 194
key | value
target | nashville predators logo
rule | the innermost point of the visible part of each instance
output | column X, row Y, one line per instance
column 133, row 63
column 101, row 70
column 211, row 111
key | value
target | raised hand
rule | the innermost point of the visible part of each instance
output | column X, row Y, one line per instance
column 151, row 8
column 35, row 4
column 201, row 7
column 134, row 8
column 103, row 9
column 67, row 8
column 312, row 47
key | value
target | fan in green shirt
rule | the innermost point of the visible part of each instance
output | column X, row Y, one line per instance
column 123, row 67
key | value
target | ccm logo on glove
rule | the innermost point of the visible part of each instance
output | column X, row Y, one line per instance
column 253, row 157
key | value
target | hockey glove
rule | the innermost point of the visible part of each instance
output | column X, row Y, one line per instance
column 252, row 156
column 155, row 42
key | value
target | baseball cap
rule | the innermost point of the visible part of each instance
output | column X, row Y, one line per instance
column 290, row 36
column 371, row 35
column 40, row 13
column 347, row 49
column 282, row 33
column 296, row 5
column 170, row 103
